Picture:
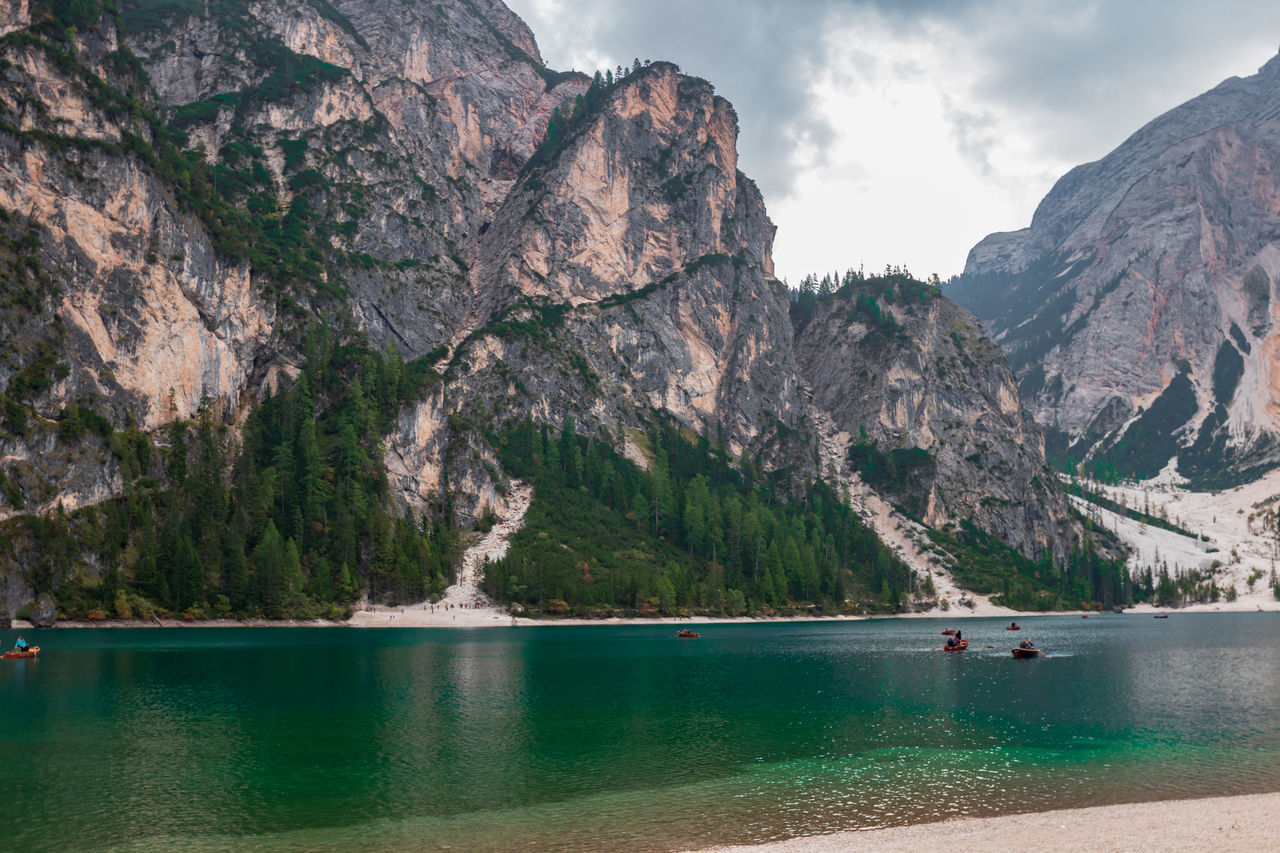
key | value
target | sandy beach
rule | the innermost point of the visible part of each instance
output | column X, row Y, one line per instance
column 1249, row 822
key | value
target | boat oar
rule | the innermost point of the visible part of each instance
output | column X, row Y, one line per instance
column 1042, row 654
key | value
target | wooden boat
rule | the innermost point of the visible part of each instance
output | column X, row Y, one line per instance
column 1026, row 653
column 1161, row 616
column 958, row 647
column 1014, row 628
column 14, row 654
column 685, row 632
column 948, row 632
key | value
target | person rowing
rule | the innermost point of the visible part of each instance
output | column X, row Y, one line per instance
column 21, row 645
column 1026, row 644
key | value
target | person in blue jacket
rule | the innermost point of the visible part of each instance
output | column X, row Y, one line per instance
column 21, row 645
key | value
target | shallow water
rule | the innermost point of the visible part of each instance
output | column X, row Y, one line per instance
column 562, row 738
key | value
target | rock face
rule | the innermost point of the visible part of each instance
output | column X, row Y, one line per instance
column 1138, row 309
column 44, row 612
column 630, row 272
column 554, row 246
column 912, row 378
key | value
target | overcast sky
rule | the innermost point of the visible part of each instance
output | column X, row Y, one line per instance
column 904, row 131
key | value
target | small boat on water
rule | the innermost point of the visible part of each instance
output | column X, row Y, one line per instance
column 958, row 647
column 1161, row 616
column 14, row 654
column 1014, row 627
column 685, row 632
column 1026, row 653
column 948, row 632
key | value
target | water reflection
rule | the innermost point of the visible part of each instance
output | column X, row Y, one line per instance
column 582, row 739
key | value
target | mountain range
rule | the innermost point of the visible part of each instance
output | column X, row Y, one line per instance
column 286, row 279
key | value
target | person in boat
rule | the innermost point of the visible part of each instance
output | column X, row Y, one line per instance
column 1014, row 626
column 959, row 636
column 952, row 642
column 1026, row 644
column 21, row 645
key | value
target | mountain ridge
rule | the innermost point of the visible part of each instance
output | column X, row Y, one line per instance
column 319, row 258
column 1156, row 262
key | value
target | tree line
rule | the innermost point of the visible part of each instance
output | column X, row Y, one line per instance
column 695, row 532
column 293, row 521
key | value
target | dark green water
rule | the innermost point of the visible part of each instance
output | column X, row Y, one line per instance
column 606, row 737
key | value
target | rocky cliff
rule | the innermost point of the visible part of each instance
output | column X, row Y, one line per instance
column 931, row 411
column 198, row 196
column 1138, row 308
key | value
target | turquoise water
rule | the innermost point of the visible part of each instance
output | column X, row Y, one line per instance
column 561, row 738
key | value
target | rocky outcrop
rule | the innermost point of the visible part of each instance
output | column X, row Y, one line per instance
column 931, row 413
column 1156, row 262
column 629, row 271
column 44, row 611
column 14, row 16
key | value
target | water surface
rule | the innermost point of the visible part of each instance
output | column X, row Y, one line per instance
column 561, row 738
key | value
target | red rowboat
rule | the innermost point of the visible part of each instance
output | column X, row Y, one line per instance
column 958, row 647
column 13, row 654
column 687, row 633
column 948, row 632
column 1026, row 653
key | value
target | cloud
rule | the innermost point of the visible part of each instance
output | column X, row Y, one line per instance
column 761, row 56
column 874, row 125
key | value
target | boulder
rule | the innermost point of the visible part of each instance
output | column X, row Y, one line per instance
column 44, row 613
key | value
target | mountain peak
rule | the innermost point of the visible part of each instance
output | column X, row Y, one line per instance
column 1136, row 308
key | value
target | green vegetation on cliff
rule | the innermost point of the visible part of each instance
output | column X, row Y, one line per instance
column 295, row 521
column 692, row 534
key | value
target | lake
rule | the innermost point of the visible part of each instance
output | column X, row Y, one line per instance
column 568, row 738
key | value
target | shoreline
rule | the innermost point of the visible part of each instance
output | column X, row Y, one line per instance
column 422, row 616
column 1244, row 822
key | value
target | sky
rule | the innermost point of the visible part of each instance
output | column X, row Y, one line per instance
column 904, row 131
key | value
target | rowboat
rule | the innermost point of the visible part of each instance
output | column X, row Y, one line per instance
column 1161, row 616
column 947, row 632
column 1026, row 653
column 1013, row 628
column 958, row 647
column 14, row 654
column 685, row 632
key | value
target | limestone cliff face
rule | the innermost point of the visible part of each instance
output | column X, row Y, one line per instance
column 629, row 271
column 409, row 130
column 1156, row 262
column 157, row 322
column 928, row 378
column 401, row 136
